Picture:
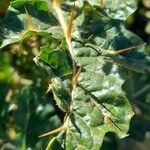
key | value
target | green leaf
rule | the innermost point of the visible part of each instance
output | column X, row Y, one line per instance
column 59, row 86
column 118, row 9
column 56, row 63
column 92, row 98
column 103, row 37
column 16, row 24
column 57, row 60
column 96, row 103
column 98, row 106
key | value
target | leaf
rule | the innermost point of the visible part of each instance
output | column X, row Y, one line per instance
column 56, row 63
column 18, row 23
column 57, row 60
column 106, row 37
column 118, row 9
column 97, row 103
column 103, row 50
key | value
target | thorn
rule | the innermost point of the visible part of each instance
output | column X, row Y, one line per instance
column 49, row 88
column 77, row 3
column 35, row 59
column 58, row 130
column 101, row 3
column 75, row 78
column 56, row 3
column 117, row 52
column 66, row 29
column 29, row 23
column 69, row 26
column 125, row 1
column 87, row 40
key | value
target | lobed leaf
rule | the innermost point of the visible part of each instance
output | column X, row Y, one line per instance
column 97, row 104
column 24, row 17
column 103, row 48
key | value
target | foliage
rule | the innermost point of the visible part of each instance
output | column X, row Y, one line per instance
column 88, row 59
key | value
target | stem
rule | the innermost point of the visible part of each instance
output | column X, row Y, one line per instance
column 67, row 29
column 68, row 34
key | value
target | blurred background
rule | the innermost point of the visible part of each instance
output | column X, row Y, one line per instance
column 26, row 111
